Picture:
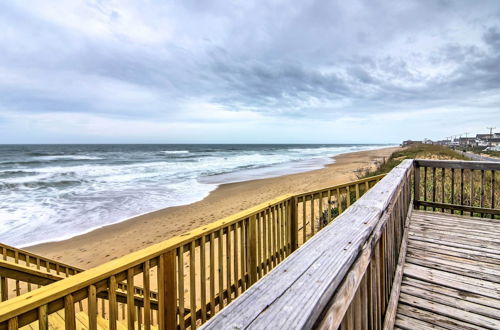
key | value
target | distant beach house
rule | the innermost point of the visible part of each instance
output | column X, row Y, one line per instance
column 485, row 140
column 494, row 142
column 410, row 142
column 468, row 142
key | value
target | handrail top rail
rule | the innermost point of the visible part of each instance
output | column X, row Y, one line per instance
column 26, row 302
column 340, row 186
column 458, row 164
column 275, row 300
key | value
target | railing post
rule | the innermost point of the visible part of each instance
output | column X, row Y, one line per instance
column 167, row 300
column 292, row 204
column 416, row 185
column 252, row 247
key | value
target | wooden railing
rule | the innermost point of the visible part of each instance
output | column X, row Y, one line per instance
column 11, row 286
column 461, row 187
column 342, row 277
column 194, row 275
column 22, row 271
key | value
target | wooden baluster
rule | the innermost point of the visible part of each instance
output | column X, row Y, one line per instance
column 348, row 196
column 471, row 203
column 265, row 235
column 4, row 287
column 294, row 224
column 273, row 236
column 461, row 189
column 339, row 201
column 357, row 311
column 312, row 215
column 276, row 235
column 203, row 278
column 103, row 308
column 357, row 191
column 442, row 187
column 242, row 251
column 69, row 313
column 425, row 186
column 192, row 282
column 146, row 285
column 279, row 227
column 43, row 318
column 13, row 324
column 252, row 246
column 236, row 259
column 329, row 219
column 212, row 274
column 452, row 188
column 138, row 311
column 375, row 291
column 113, row 306
column 220, row 268
column 38, row 267
column 482, row 192
column 259, row 246
column 28, row 265
column 284, row 240
column 320, row 207
column 304, row 220
column 130, row 300
column 364, row 302
column 433, row 187
column 269, row 239
column 492, row 191
column 180, row 285
column 228, row 264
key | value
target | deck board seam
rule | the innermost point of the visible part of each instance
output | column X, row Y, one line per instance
column 454, row 316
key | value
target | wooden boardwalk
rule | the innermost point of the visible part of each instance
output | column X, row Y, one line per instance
column 451, row 275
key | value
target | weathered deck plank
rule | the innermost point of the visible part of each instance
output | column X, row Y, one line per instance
column 451, row 274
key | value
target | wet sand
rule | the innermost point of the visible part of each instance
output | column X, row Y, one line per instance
column 113, row 241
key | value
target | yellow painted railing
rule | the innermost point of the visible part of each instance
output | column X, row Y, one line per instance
column 194, row 275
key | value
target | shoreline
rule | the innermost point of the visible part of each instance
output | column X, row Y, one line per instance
column 261, row 173
column 86, row 250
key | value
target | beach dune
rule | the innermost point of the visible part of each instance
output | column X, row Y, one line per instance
column 113, row 241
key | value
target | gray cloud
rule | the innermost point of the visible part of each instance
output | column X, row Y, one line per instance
column 279, row 58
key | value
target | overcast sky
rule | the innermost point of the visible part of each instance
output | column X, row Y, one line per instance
column 247, row 71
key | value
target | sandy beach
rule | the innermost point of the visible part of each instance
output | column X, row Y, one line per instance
column 113, row 241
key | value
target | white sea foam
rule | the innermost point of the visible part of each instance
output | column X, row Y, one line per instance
column 66, row 157
column 175, row 151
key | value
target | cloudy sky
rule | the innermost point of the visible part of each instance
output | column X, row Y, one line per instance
column 247, row 71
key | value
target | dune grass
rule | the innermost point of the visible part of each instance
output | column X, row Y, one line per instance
column 420, row 151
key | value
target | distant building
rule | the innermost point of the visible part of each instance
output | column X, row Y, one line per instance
column 467, row 142
column 481, row 143
column 409, row 143
column 494, row 142
column 483, row 136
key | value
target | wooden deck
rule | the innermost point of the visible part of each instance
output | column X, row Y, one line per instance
column 451, row 275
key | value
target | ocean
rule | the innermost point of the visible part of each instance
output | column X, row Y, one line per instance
column 53, row 192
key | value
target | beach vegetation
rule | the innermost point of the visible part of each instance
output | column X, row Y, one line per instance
column 415, row 151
